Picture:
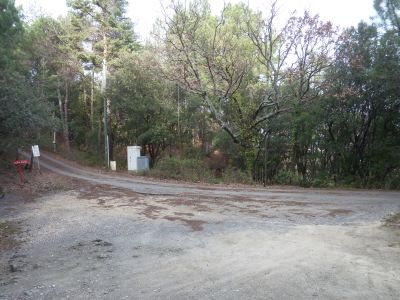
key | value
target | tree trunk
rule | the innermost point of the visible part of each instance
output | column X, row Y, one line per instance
column 92, row 101
column 111, row 145
column 60, row 105
column 99, row 129
column 63, row 107
column 105, row 99
column 85, row 104
column 66, row 129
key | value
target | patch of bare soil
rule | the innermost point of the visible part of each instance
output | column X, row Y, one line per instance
column 186, row 202
column 36, row 184
column 107, row 194
column 8, row 231
column 152, row 211
column 270, row 200
column 184, row 214
column 196, row 225
column 338, row 212
column 95, row 191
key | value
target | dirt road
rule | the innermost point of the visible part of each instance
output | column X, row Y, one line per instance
column 122, row 237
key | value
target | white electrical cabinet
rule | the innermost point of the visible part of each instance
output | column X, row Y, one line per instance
column 133, row 154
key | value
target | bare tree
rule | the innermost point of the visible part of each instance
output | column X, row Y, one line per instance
column 204, row 54
column 294, row 59
column 219, row 58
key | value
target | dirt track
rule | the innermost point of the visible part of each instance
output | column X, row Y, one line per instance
column 123, row 237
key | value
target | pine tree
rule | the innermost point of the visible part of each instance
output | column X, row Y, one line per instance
column 111, row 33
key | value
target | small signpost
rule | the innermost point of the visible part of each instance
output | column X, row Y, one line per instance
column 36, row 153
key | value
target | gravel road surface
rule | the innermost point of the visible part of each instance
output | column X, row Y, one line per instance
column 123, row 237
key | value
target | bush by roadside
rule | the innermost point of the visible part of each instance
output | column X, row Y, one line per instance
column 195, row 170
column 393, row 221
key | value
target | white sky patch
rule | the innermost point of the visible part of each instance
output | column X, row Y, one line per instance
column 342, row 13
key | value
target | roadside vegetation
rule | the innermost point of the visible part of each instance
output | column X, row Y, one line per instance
column 241, row 96
column 393, row 221
column 194, row 170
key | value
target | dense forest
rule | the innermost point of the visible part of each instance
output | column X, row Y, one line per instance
column 239, row 96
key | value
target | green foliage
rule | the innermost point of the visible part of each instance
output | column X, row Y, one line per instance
column 233, row 151
column 234, row 175
column 389, row 12
column 10, row 32
column 105, row 26
column 361, row 120
column 287, row 178
column 24, row 113
column 322, row 180
column 141, row 107
column 392, row 181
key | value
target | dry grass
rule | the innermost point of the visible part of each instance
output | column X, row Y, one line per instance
column 393, row 221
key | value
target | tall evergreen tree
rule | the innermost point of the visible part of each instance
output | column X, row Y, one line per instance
column 111, row 33
column 389, row 12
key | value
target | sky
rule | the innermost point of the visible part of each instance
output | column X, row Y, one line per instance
column 342, row 13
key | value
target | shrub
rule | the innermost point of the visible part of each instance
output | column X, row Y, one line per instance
column 195, row 170
column 236, row 176
column 322, row 181
column 182, row 169
column 392, row 181
column 287, row 178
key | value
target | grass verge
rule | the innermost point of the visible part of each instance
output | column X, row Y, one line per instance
column 194, row 170
column 393, row 221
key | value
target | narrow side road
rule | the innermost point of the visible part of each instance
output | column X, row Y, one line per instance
column 368, row 205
